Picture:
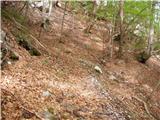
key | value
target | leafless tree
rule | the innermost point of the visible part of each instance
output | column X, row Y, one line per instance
column 62, row 24
column 121, row 14
column 151, row 30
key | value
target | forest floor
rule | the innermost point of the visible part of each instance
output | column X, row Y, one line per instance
column 63, row 83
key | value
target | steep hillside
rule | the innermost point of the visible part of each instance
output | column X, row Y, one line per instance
column 68, row 79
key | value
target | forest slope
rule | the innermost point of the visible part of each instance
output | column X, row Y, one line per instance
column 62, row 83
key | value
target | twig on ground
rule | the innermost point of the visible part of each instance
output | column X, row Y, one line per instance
column 145, row 106
column 155, row 88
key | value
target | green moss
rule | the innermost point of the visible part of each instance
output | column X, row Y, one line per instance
column 140, row 45
column 24, row 41
column 12, row 13
column 34, row 52
column 142, row 57
column 156, row 46
column 14, row 56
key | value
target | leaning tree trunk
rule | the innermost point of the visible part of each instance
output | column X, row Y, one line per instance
column 121, row 14
column 151, row 31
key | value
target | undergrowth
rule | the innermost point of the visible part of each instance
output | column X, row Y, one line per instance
column 12, row 13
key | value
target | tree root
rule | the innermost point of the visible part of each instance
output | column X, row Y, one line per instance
column 21, row 106
column 145, row 107
column 23, row 28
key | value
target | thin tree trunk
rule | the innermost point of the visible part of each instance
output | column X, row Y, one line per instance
column 121, row 28
column 27, row 8
column 151, row 31
column 111, row 36
column 62, row 24
column 50, row 8
column 111, row 41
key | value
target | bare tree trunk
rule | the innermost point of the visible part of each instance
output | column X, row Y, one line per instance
column 151, row 31
column 111, row 40
column 111, row 36
column 45, row 17
column 63, row 21
column 121, row 27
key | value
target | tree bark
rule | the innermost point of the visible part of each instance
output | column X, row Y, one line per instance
column 151, row 30
column 62, row 24
column 121, row 14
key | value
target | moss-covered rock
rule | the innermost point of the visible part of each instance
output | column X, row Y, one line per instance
column 142, row 57
column 24, row 42
column 14, row 56
column 34, row 52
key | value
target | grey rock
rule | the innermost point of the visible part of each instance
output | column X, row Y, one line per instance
column 112, row 77
column 95, row 38
column 3, row 36
column 46, row 94
column 47, row 115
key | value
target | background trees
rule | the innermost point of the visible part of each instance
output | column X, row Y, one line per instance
column 135, row 24
column 138, row 21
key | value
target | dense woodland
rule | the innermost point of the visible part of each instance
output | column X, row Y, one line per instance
column 80, row 60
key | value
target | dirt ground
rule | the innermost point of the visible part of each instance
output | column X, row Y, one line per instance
column 62, row 83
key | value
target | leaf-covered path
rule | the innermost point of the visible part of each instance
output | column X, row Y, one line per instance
column 63, row 84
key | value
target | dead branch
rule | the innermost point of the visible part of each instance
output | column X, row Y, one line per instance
column 23, row 28
column 25, row 4
column 155, row 88
column 20, row 105
column 145, row 107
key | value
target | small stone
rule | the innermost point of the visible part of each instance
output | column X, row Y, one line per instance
column 97, row 39
column 46, row 94
column 3, row 36
column 98, row 69
column 9, row 62
column 48, row 116
column 67, row 50
column 112, row 77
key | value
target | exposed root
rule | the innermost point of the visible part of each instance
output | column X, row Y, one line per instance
column 145, row 107
column 23, row 28
column 21, row 106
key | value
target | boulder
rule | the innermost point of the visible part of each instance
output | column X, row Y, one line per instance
column 154, row 63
